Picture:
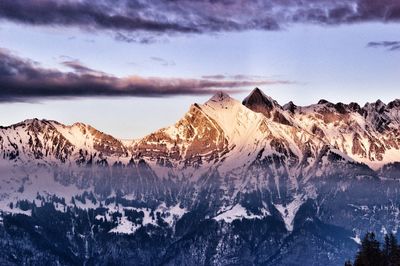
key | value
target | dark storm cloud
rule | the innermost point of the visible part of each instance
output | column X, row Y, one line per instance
column 389, row 45
column 25, row 80
column 106, row 14
column 125, row 18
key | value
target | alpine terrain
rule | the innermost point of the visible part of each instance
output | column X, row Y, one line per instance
column 230, row 183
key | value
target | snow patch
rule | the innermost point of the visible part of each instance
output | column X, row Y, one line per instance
column 237, row 212
column 125, row 227
column 357, row 239
column 289, row 211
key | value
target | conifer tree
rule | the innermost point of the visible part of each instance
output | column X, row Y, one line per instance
column 370, row 253
column 394, row 252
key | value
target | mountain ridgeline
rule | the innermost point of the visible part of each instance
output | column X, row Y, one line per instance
column 231, row 183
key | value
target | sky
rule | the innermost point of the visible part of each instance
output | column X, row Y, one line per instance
column 130, row 67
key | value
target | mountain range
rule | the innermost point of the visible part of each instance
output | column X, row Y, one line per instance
column 230, row 183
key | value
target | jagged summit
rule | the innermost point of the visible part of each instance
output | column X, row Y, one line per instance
column 32, row 122
column 377, row 106
column 258, row 97
column 36, row 121
column 323, row 101
column 221, row 100
column 394, row 104
column 219, row 97
column 290, row 106
column 258, row 102
column 367, row 134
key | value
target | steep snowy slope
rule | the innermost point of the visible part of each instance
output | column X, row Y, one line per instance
column 369, row 135
column 247, row 148
column 46, row 157
column 225, row 134
column 253, row 145
column 49, row 142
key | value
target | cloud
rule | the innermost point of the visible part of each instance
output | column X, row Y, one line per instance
column 236, row 77
column 25, row 80
column 80, row 68
column 389, row 45
column 162, row 61
column 142, row 21
column 135, row 38
column 106, row 14
column 217, row 77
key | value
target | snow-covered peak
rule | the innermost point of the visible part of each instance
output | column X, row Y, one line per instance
column 234, row 118
column 51, row 142
column 219, row 99
column 79, row 125
column 34, row 122
column 31, row 121
column 224, row 127
column 222, row 108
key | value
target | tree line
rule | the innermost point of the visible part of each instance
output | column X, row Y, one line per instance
column 373, row 253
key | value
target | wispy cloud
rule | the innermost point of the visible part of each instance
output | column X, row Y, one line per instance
column 135, row 38
column 80, row 68
column 141, row 21
column 236, row 77
column 25, row 80
column 389, row 45
column 217, row 77
column 162, row 61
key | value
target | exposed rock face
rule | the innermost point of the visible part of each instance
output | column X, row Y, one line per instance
column 194, row 138
column 249, row 183
column 260, row 103
column 290, row 106
column 217, row 134
column 365, row 134
column 42, row 140
column 52, row 143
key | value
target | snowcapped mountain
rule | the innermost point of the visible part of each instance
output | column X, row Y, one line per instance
column 229, row 176
column 253, row 145
column 42, row 141
column 300, row 142
column 223, row 130
column 369, row 134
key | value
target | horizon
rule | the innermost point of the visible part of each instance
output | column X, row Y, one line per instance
column 205, row 98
